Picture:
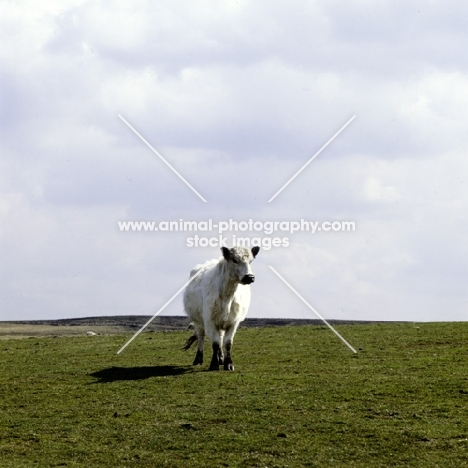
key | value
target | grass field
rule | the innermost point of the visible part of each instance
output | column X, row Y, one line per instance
column 298, row 397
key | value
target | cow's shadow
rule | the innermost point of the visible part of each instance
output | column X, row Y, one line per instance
column 114, row 374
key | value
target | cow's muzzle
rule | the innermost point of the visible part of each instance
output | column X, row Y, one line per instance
column 247, row 279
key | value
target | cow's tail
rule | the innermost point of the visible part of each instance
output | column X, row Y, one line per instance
column 190, row 342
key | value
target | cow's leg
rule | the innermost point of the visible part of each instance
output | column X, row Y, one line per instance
column 216, row 339
column 228, row 364
column 217, row 356
column 198, row 361
column 228, row 339
column 201, row 343
column 200, row 337
column 220, row 353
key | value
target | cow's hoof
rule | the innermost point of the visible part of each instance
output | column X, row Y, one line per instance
column 229, row 367
column 198, row 359
column 214, row 367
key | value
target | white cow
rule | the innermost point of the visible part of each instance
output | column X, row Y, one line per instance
column 217, row 300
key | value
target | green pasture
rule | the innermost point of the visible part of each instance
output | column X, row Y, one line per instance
column 297, row 398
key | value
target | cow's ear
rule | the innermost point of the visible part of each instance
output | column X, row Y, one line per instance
column 255, row 250
column 226, row 253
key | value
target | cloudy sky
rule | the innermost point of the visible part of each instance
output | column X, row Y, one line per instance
column 237, row 96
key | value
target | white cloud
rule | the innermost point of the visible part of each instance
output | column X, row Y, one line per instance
column 375, row 191
column 237, row 96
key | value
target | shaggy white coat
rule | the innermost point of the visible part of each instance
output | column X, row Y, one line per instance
column 217, row 301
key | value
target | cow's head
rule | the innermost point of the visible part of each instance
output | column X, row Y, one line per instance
column 239, row 260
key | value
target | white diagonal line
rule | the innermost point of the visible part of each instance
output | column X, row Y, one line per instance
column 162, row 159
column 313, row 310
column 312, row 158
column 159, row 311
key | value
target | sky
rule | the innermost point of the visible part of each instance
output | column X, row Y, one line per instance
column 236, row 96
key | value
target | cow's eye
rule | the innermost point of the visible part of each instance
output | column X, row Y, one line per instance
column 234, row 260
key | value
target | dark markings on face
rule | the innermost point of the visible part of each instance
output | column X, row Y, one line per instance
column 239, row 254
